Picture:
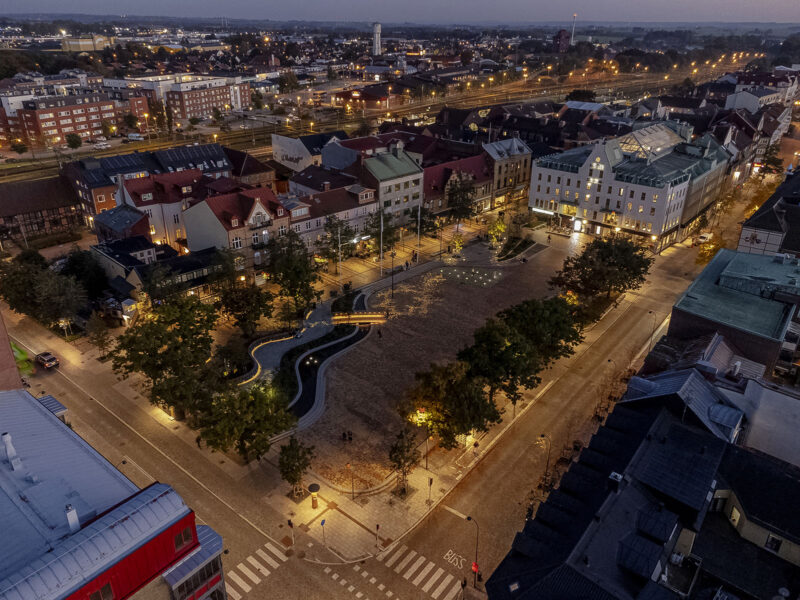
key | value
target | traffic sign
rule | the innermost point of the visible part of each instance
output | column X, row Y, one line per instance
column 322, row 522
column 474, row 567
column 291, row 525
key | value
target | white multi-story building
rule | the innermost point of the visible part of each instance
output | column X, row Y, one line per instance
column 651, row 183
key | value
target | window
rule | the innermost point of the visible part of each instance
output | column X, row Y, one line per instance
column 176, row 218
column 641, row 208
column 152, row 229
column 609, row 189
column 236, row 243
column 187, row 189
column 538, row 188
column 184, row 537
column 104, row 593
column 644, row 196
column 621, row 191
column 630, row 205
column 558, row 180
column 652, row 211
column 147, row 196
column 297, row 227
column 539, row 178
column 631, row 194
column 308, row 225
column 549, row 179
column 387, row 203
column 255, row 238
column 773, row 544
column 282, row 230
column 406, row 185
column 569, row 182
column 396, row 187
column 415, row 182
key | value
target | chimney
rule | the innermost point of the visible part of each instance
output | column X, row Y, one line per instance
column 72, row 518
column 11, row 453
column 614, row 481
column 326, row 186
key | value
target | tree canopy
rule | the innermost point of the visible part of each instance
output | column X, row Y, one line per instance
column 461, row 198
column 292, row 271
column 246, row 304
column 608, row 266
column 246, row 419
column 294, row 461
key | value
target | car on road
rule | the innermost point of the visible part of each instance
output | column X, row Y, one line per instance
column 47, row 360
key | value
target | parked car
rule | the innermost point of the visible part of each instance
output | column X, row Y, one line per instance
column 126, row 141
column 103, row 146
column 705, row 237
column 136, row 137
column 101, row 138
column 47, row 360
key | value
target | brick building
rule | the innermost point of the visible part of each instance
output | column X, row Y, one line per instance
column 40, row 121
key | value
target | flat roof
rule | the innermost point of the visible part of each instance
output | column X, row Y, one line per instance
column 56, row 468
column 740, row 310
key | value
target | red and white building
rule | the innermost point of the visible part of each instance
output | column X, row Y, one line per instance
column 40, row 121
column 75, row 528
column 190, row 96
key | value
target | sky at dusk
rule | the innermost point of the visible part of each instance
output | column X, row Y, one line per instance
column 432, row 11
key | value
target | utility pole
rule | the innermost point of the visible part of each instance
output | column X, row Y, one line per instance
column 381, row 246
column 419, row 227
column 339, row 235
column 572, row 36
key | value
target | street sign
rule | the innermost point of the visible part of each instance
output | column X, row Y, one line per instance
column 322, row 522
column 474, row 567
column 291, row 525
column 430, row 481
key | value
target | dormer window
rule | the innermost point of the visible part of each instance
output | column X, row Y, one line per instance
column 280, row 212
column 147, row 197
column 234, row 222
column 187, row 189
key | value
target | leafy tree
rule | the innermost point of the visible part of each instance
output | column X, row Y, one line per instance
column 333, row 75
column 171, row 347
column 84, row 267
column 17, row 285
column 19, row 147
column 461, row 199
column 426, row 219
column 246, row 419
column 403, row 456
column 31, row 258
column 338, row 235
column 194, row 121
column 158, row 114
column 291, row 269
column 605, row 265
column 287, row 82
column 580, row 95
column 496, row 230
column 97, row 332
column 454, row 401
column 294, row 461
column 363, row 129
column 73, row 140
column 130, row 120
column 58, row 297
column 257, row 100
column 246, row 304
column 372, row 228
column 170, row 117
column 772, row 161
column 466, row 57
column 458, row 243
column 108, row 128
column 216, row 116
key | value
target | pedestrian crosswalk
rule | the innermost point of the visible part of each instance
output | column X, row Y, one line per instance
column 422, row 573
column 253, row 570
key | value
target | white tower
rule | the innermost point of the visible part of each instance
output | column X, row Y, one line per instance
column 572, row 36
column 376, row 39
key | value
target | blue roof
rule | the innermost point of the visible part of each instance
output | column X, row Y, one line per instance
column 210, row 546
column 53, row 405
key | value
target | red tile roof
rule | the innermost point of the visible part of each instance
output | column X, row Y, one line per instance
column 239, row 205
column 437, row 176
column 166, row 188
column 334, row 201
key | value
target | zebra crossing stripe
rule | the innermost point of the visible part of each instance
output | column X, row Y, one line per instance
column 421, row 575
column 232, row 593
column 258, row 566
column 441, row 587
column 431, row 581
column 397, row 555
column 405, row 561
column 276, row 552
column 250, row 575
column 267, row 559
column 239, row 581
column 414, row 567
column 452, row 593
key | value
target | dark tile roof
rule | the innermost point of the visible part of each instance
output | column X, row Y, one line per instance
column 21, row 197
column 316, row 141
column 120, row 218
column 244, row 163
column 315, row 177
column 136, row 243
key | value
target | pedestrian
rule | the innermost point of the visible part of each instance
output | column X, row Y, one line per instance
column 380, row 335
column 548, row 238
column 406, row 265
column 197, row 441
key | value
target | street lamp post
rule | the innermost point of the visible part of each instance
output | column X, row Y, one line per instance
column 544, row 436
column 650, row 339
column 352, row 482
column 393, row 255
column 475, row 567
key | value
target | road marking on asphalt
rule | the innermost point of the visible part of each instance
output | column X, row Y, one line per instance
column 421, row 575
column 276, row 552
column 258, row 566
column 455, row 512
column 239, row 581
column 335, row 576
column 453, row 591
column 268, row 560
column 431, row 581
column 397, row 555
column 161, row 452
column 441, row 587
column 232, row 593
column 381, row 587
column 351, row 588
column 327, row 570
column 250, row 575
column 372, row 580
column 356, row 568
column 364, row 574
column 342, row 582
column 414, row 567
column 359, row 594
column 405, row 561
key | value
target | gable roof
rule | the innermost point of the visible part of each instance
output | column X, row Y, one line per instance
column 316, row 141
column 21, row 197
column 503, row 149
column 388, row 165
column 120, row 218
